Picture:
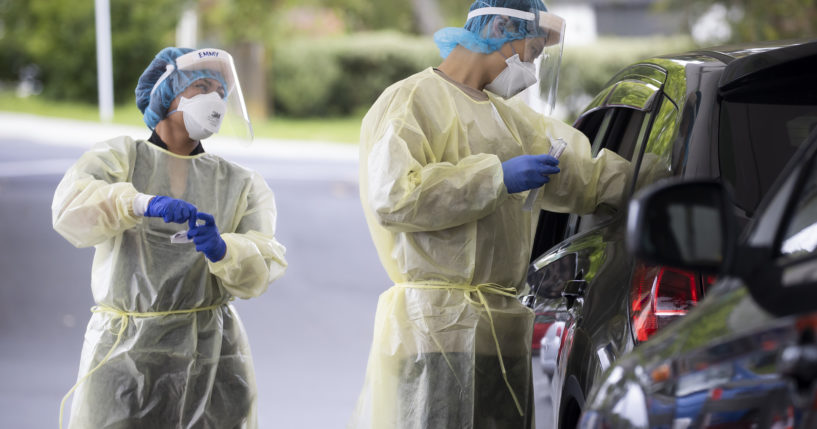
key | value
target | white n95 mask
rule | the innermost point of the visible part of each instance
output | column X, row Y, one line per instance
column 516, row 77
column 202, row 114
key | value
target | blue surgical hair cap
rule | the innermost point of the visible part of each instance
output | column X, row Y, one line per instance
column 154, row 104
column 477, row 37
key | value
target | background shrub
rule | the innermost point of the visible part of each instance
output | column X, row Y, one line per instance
column 343, row 75
column 57, row 39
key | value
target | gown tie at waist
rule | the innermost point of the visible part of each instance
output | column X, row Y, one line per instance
column 480, row 290
column 123, row 318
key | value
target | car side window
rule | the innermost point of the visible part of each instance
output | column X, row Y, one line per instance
column 800, row 238
column 657, row 154
column 621, row 133
column 621, row 136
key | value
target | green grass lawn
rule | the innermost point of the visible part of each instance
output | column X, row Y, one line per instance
column 346, row 129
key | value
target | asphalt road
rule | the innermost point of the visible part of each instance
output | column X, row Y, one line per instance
column 310, row 333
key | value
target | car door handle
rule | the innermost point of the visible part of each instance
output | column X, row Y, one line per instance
column 574, row 288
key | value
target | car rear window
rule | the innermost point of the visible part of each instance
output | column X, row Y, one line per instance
column 757, row 139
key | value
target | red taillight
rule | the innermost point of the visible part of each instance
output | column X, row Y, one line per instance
column 660, row 295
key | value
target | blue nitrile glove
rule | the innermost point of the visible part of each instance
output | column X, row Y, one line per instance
column 172, row 210
column 528, row 171
column 207, row 238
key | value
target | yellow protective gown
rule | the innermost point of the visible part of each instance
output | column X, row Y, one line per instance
column 457, row 246
column 173, row 351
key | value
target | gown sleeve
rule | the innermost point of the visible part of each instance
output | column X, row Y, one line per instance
column 585, row 182
column 94, row 200
column 408, row 189
column 254, row 258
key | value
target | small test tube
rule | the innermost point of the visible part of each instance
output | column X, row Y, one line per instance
column 557, row 146
column 180, row 238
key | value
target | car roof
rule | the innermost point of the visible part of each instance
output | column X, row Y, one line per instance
column 729, row 53
column 761, row 61
column 738, row 63
column 742, row 61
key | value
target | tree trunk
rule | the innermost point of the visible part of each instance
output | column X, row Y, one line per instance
column 427, row 16
column 250, row 63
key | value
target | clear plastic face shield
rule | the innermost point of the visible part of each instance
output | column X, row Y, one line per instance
column 234, row 124
column 542, row 52
column 542, row 96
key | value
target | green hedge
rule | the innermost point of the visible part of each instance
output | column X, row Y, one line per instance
column 343, row 75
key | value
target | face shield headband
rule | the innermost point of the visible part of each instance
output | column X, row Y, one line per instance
column 539, row 24
column 543, row 33
column 514, row 13
column 220, row 64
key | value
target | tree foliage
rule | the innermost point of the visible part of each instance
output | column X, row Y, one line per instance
column 406, row 16
column 59, row 38
column 232, row 22
column 757, row 20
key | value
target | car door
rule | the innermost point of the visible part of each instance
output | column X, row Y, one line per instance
column 620, row 120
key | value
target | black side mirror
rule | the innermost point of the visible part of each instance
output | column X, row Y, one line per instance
column 684, row 224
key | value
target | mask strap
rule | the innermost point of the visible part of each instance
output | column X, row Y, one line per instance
column 168, row 70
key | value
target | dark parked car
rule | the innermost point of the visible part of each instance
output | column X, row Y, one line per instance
column 736, row 114
column 746, row 356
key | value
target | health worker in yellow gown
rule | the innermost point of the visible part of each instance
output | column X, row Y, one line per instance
column 178, row 233
column 448, row 157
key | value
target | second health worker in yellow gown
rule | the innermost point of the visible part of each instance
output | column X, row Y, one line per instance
column 447, row 159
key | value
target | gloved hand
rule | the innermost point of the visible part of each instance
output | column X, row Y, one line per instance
column 207, row 238
column 528, row 171
column 172, row 210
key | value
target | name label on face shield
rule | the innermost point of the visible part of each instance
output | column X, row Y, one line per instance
column 208, row 54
